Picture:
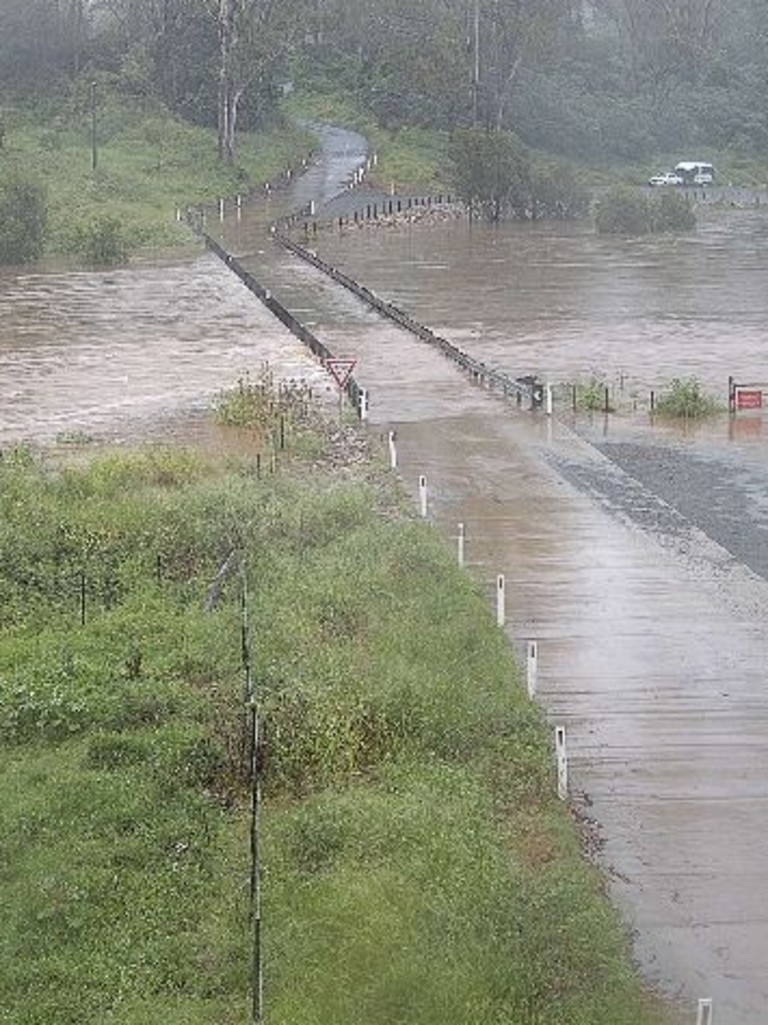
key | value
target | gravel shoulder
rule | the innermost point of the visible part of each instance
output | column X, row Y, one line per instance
column 672, row 487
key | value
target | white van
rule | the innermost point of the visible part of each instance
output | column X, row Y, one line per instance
column 695, row 172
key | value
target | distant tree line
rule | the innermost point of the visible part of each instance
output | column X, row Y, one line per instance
column 612, row 79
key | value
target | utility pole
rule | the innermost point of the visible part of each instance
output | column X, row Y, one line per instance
column 476, row 66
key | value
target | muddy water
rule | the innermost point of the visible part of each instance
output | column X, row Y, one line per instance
column 102, row 353
column 651, row 638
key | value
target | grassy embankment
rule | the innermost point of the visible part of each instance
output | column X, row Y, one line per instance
column 417, row 865
column 147, row 165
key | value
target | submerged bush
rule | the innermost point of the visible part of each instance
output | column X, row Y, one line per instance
column 686, row 398
column 23, row 221
column 626, row 211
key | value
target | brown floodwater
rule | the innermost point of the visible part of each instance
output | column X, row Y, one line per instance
column 652, row 648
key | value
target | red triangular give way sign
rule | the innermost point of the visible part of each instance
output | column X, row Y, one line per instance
column 340, row 368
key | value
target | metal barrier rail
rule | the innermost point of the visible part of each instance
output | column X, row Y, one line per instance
column 520, row 387
column 297, row 329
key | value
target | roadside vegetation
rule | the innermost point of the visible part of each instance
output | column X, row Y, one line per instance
column 626, row 211
column 417, row 865
column 687, row 399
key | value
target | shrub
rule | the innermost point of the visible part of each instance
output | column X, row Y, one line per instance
column 23, row 221
column 686, row 398
column 623, row 211
column 626, row 211
column 103, row 241
column 672, row 212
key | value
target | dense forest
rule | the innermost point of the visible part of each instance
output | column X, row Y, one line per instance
column 587, row 79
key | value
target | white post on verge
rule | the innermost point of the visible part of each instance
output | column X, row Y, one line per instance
column 562, row 763
column 311, row 208
column 549, row 400
column 239, row 204
column 706, row 1012
column 392, row 451
column 462, row 538
column 501, row 600
column 532, row 666
column 423, row 495
column 363, row 400
column 221, row 209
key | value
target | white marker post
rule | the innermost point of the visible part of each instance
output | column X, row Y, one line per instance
column 423, row 495
column 549, row 400
column 532, row 667
column 363, row 403
column 311, row 208
column 392, row 451
column 562, row 763
column 706, row 1012
column 501, row 600
column 461, row 540
column 221, row 209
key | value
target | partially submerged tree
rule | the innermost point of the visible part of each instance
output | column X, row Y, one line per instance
column 491, row 172
column 495, row 175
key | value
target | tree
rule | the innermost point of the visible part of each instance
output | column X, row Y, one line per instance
column 491, row 172
column 255, row 38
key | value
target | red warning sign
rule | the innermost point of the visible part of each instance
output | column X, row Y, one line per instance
column 341, row 369
column 749, row 398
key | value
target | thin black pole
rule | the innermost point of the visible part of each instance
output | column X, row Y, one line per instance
column 82, row 599
column 255, row 770
column 257, row 967
column 94, row 153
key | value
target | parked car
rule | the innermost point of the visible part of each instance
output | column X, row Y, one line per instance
column 667, row 178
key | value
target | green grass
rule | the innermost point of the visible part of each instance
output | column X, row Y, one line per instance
column 148, row 165
column 417, row 866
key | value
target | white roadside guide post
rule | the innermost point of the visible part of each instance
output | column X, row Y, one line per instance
column 423, row 496
column 221, row 209
column 461, row 539
column 363, row 403
column 501, row 600
column 706, row 1012
column 532, row 667
column 562, row 763
column 548, row 400
column 392, row 451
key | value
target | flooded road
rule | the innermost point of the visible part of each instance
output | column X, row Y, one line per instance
column 651, row 630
